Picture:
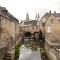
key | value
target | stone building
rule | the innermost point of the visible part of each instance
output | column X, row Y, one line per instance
column 50, row 26
column 9, row 29
column 30, row 25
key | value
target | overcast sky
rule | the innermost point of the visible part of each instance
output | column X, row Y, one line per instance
column 19, row 8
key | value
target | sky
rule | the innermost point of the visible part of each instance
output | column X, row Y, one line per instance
column 19, row 8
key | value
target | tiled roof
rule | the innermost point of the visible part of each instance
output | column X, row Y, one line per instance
column 4, row 12
column 46, row 14
column 54, row 14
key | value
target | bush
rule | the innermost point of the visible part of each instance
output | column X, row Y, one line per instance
column 17, row 50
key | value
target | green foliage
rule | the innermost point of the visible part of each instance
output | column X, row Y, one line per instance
column 43, row 54
column 17, row 50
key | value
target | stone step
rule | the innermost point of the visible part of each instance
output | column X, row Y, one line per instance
column 7, row 57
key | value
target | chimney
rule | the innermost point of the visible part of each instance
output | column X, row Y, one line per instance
column 50, row 12
column 54, row 12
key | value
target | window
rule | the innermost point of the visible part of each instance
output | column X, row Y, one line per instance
column 33, row 28
column 49, row 29
column 59, row 19
column 51, row 21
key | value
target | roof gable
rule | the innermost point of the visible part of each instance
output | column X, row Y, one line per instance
column 4, row 12
column 54, row 14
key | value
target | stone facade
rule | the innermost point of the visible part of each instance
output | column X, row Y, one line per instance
column 9, row 29
column 52, row 23
column 30, row 25
column 50, row 27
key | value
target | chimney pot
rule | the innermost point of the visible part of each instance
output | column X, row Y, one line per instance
column 50, row 12
column 54, row 12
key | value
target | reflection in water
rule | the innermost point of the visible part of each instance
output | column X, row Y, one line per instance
column 27, row 54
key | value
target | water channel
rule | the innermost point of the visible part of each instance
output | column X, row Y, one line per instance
column 26, row 53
